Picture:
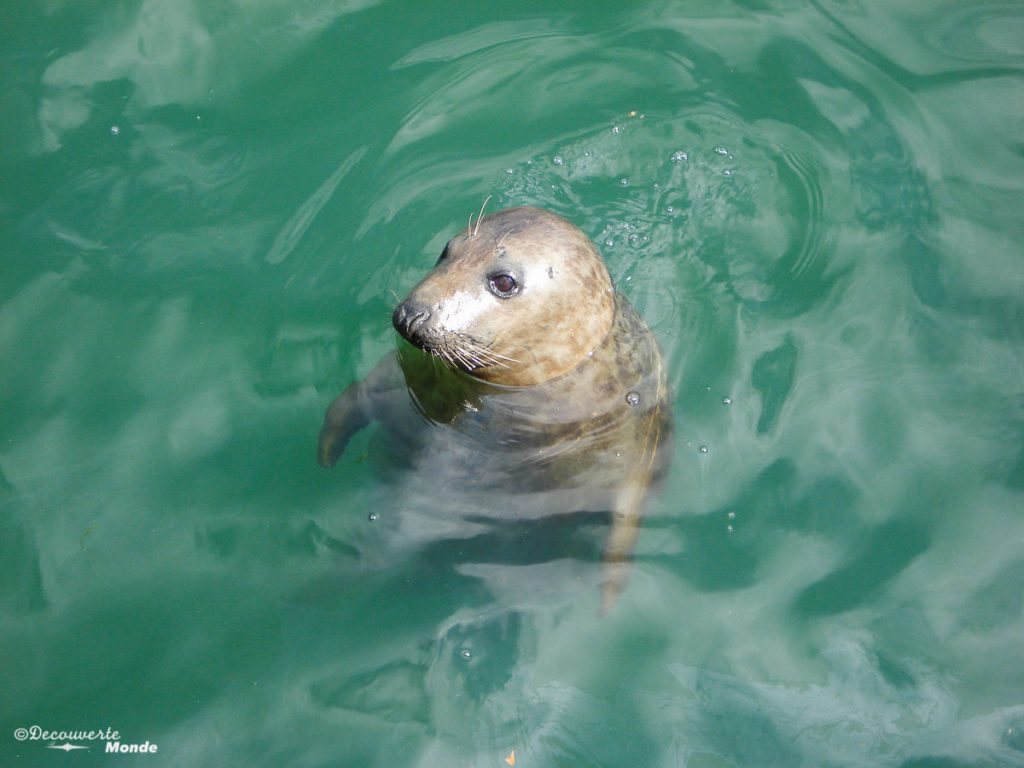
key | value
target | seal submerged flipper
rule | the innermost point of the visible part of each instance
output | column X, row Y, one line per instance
column 653, row 435
column 355, row 408
column 628, row 514
column 618, row 548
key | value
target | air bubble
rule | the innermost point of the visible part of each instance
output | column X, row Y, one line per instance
column 634, row 237
column 609, row 243
column 465, row 653
column 729, row 529
column 703, row 449
column 670, row 209
column 114, row 130
column 633, row 398
column 731, row 515
column 616, row 130
column 721, row 151
column 558, row 160
column 624, row 182
column 679, row 157
column 726, row 401
column 372, row 516
column 727, row 172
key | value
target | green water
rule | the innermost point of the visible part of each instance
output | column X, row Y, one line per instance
column 206, row 212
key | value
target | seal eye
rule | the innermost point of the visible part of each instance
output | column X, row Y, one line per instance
column 443, row 256
column 503, row 285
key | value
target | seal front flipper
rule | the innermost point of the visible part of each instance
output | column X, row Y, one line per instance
column 626, row 519
column 358, row 406
column 654, row 438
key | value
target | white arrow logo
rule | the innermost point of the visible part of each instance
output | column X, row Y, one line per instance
column 66, row 747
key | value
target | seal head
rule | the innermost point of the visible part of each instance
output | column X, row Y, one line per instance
column 518, row 299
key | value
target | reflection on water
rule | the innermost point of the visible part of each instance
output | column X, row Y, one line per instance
column 815, row 207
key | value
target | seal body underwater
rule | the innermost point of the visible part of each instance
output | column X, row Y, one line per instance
column 535, row 389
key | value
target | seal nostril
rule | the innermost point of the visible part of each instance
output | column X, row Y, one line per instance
column 418, row 319
column 408, row 317
column 400, row 317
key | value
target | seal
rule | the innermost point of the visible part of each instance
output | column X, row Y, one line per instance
column 540, row 391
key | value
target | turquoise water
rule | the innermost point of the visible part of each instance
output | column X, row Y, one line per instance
column 207, row 211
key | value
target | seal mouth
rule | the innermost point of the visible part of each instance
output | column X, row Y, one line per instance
column 458, row 350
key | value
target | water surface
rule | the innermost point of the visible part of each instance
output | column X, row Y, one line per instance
column 206, row 213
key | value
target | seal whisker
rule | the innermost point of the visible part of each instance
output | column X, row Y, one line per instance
column 463, row 351
column 479, row 357
column 458, row 356
column 489, row 347
column 476, row 354
column 480, row 216
column 437, row 352
column 453, row 355
column 468, row 353
column 492, row 359
column 482, row 352
column 502, row 240
column 495, row 356
column 469, row 361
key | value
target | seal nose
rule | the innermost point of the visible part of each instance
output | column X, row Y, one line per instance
column 409, row 316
